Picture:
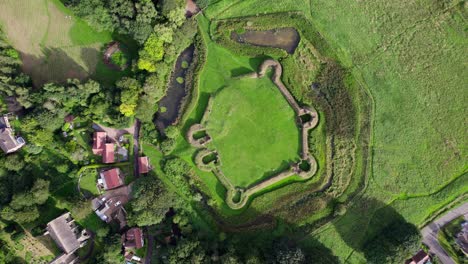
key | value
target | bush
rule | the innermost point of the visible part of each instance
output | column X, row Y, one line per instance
column 167, row 146
column 120, row 59
column 172, row 132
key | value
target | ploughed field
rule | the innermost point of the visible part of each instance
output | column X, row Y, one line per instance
column 253, row 130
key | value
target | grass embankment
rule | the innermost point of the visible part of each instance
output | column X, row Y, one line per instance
column 54, row 44
column 253, row 130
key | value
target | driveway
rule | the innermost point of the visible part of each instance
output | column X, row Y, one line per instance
column 114, row 133
column 136, row 144
column 430, row 232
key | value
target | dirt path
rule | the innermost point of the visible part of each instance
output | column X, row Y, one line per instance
column 431, row 231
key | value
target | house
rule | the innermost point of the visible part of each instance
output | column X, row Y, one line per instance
column 133, row 238
column 420, row 258
column 102, row 148
column 8, row 142
column 99, row 140
column 109, row 206
column 144, row 165
column 111, row 179
column 68, row 237
column 108, row 155
column 462, row 238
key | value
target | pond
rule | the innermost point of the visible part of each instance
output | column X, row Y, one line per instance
column 170, row 104
column 283, row 38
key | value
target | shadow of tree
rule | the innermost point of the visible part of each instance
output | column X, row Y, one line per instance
column 240, row 71
column 55, row 66
column 378, row 231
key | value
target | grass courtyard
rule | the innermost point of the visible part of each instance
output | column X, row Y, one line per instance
column 253, row 130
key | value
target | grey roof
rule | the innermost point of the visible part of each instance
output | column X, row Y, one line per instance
column 110, row 205
column 65, row 259
column 65, row 233
column 8, row 142
column 4, row 122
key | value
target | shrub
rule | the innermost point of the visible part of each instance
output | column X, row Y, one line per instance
column 167, row 146
column 120, row 59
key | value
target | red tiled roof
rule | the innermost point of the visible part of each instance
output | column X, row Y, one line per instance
column 99, row 139
column 108, row 155
column 420, row 257
column 112, row 178
column 134, row 238
column 143, row 165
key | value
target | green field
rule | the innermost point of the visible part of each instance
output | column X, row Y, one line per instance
column 408, row 57
column 253, row 129
column 54, row 44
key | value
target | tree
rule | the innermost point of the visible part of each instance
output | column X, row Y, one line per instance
column 151, row 202
column 394, row 244
column 14, row 162
column 176, row 166
column 112, row 252
column 149, row 133
column 146, row 108
column 37, row 195
column 27, row 215
column 178, row 169
column 167, row 146
column 290, row 256
column 152, row 52
column 130, row 90
column 177, row 16
column 172, row 131
column 187, row 251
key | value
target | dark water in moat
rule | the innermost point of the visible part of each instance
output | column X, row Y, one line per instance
column 176, row 92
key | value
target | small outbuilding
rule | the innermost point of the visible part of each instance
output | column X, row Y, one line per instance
column 143, row 165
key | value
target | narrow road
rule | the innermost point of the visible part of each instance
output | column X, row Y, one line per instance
column 136, row 136
column 149, row 247
column 430, row 232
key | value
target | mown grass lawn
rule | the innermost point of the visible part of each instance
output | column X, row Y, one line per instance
column 253, row 129
column 89, row 180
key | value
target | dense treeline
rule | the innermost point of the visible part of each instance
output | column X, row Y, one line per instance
column 126, row 17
